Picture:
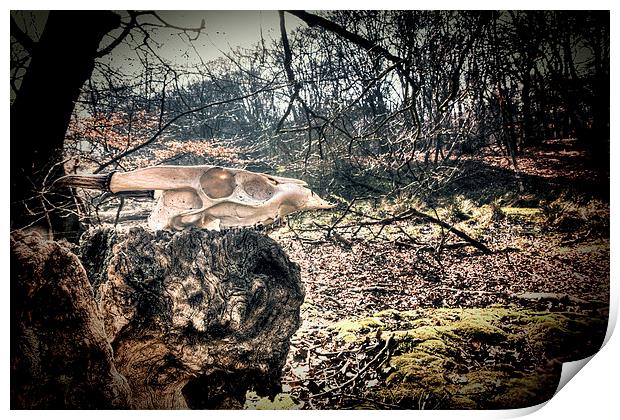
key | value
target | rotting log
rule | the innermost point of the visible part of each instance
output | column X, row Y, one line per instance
column 195, row 318
column 60, row 354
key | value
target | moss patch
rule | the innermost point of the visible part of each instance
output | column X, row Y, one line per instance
column 351, row 330
column 496, row 357
column 279, row 402
column 533, row 214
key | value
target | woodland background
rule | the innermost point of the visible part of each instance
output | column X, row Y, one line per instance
column 468, row 153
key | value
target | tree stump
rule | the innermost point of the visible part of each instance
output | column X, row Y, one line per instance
column 60, row 354
column 195, row 318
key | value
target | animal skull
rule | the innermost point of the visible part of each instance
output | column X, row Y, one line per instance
column 209, row 197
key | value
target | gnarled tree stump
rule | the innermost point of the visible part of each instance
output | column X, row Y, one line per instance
column 195, row 318
column 60, row 354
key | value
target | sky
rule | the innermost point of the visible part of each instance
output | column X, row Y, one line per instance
column 224, row 30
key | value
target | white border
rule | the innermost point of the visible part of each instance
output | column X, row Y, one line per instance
column 593, row 394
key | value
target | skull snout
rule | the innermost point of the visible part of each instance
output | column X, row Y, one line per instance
column 316, row 202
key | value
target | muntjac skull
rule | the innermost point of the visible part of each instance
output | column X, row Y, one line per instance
column 208, row 197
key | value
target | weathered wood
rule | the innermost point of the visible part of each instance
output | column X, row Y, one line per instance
column 192, row 319
column 196, row 318
column 60, row 355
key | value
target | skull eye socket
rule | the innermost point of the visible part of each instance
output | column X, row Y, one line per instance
column 258, row 187
column 218, row 182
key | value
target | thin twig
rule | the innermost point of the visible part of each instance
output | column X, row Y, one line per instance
column 388, row 343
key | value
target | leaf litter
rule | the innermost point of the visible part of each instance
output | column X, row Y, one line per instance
column 393, row 323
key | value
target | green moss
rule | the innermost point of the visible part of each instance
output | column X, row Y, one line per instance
column 420, row 367
column 496, row 357
column 478, row 325
column 528, row 390
column 425, row 332
column 388, row 313
column 435, row 347
column 280, row 402
column 479, row 389
column 559, row 333
column 362, row 325
column 527, row 213
column 351, row 330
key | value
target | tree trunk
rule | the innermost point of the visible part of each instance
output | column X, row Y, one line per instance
column 61, row 62
column 528, row 128
column 195, row 318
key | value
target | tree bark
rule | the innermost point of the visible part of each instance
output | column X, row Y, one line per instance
column 197, row 317
column 60, row 355
column 61, row 62
column 194, row 319
column 528, row 126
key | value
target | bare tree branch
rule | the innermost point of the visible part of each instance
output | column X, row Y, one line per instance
column 315, row 20
column 25, row 41
column 288, row 59
column 121, row 37
column 173, row 120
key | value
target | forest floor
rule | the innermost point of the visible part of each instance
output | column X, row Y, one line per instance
column 407, row 315
column 404, row 314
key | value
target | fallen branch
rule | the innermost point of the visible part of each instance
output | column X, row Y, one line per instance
column 412, row 213
column 452, row 229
